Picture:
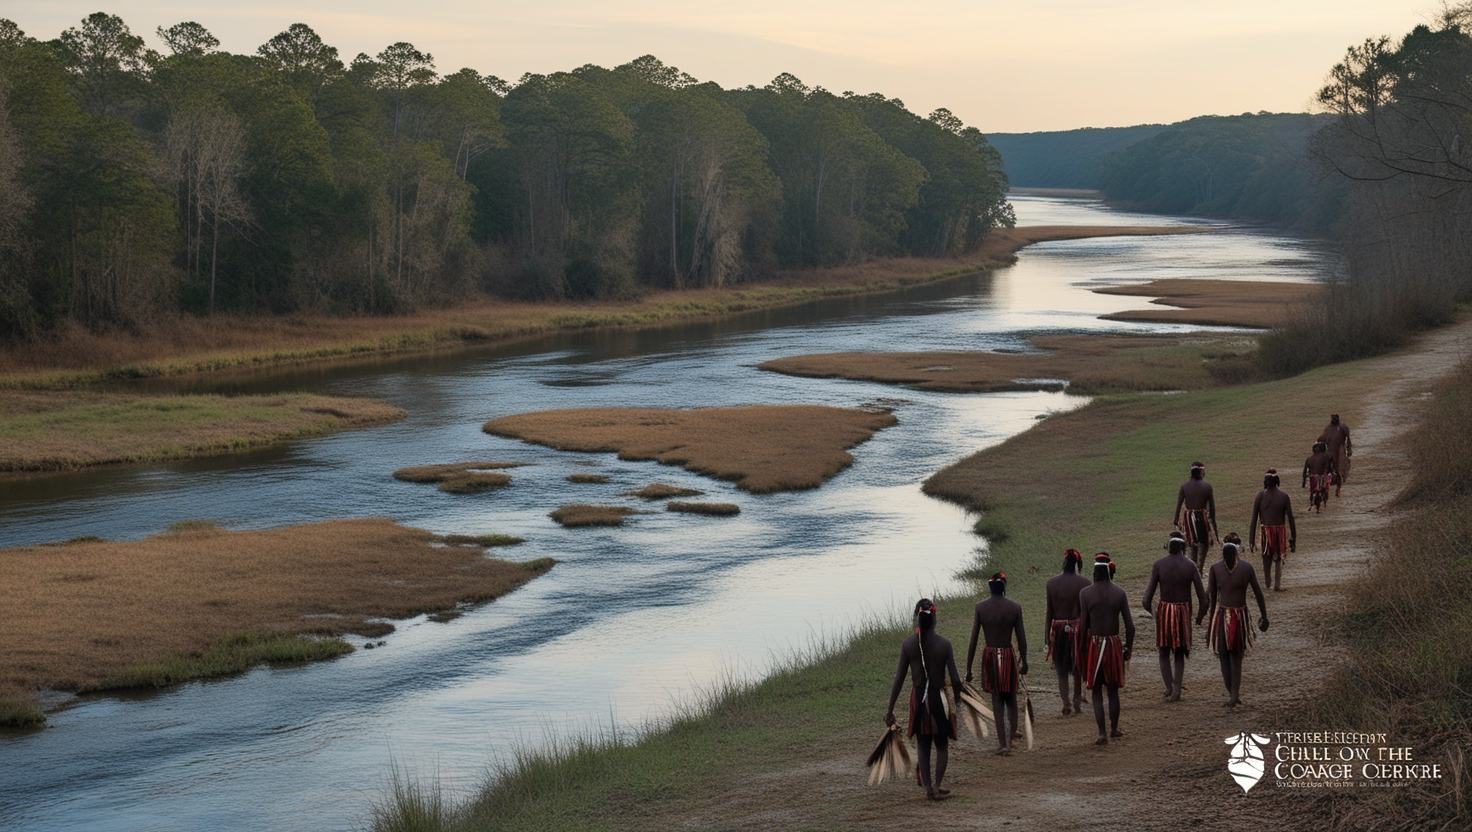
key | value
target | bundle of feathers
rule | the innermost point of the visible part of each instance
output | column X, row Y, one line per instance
column 891, row 758
column 972, row 712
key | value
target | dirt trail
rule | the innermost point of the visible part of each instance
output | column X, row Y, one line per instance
column 1169, row 771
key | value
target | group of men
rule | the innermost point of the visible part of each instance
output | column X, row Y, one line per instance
column 1084, row 618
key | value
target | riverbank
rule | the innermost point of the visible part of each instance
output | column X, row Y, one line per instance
column 199, row 601
column 223, row 343
column 787, row 752
column 44, row 431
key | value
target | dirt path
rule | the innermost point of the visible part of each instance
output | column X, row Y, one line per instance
column 1169, row 771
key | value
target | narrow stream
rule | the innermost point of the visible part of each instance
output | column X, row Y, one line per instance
column 631, row 619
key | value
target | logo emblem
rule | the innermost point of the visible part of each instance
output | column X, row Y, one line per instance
column 1246, row 763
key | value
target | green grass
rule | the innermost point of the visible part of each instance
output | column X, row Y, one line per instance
column 190, row 526
column 485, row 540
column 20, row 713
column 232, row 654
column 1103, row 477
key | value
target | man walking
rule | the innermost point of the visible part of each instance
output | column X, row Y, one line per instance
column 1174, row 576
column 1279, row 532
column 1230, row 632
column 1064, row 631
column 999, row 617
column 1102, row 605
column 1199, row 526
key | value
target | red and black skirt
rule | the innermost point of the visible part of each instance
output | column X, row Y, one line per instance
column 1173, row 626
column 999, row 670
column 1106, row 662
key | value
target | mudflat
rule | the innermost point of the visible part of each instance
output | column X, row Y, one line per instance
column 81, row 615
column 1247, row 303
column 760, row 448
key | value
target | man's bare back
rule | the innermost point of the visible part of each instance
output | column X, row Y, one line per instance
column 1228, row 587
column 1103, row 604
column 1195, row 495
column 1271, row 508
column 1318, row 464
column 1174, row 575
column 1062, row 592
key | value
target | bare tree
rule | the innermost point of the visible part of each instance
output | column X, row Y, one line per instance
column 204, row 157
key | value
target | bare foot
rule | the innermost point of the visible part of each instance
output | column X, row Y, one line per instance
column 1116, row 733
column 1102, row 740
column 1174, row 697
column 1004, row 752
column 1067, row 711
column 942, row 791
column 936, row 795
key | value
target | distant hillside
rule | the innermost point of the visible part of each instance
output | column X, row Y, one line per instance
column 1064, row 158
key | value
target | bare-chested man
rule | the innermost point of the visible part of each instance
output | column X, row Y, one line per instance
column 1336, row 436
column 1317, row 473
column 1279, row 532
column 1175, row 575
column 1064, row 631
column 1101, row 605
column 928, row 658
column 1199, row 524
column 1230, row 632
column 999, row 617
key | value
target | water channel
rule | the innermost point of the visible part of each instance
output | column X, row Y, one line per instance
column 632, row 619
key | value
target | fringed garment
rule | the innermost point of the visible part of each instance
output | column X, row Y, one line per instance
column 1320, row 482
column 1197, row 527
column 999, row 670
column 1065, row 644
column 1231, row 630
column 1173, row 626
column 1106, row 662
column 1274, row 541
column 930, row 719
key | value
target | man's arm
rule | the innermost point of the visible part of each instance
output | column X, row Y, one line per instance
column 971, row 648
column 1210, row 595
column 1262, row 603
column 1129, row 630
column 951, row 666
column 1200, row 593
column 1150, row 587
column 1180, row 499
column 899, row 682
column 1252, row 526
column 1306, row 462
column 1292, row 527
column 1211, row 505
column 1021, row 646
column 1083, row 614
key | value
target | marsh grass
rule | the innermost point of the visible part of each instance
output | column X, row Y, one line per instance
column 473, row 482
column 761, row 448
column 1099, row 478
column 484, row 540
column 1248, row 303
column 719, row 509
column 67, row 430
column 202, row 600
column 20, row 713
column 587, row 478
column 585, row 515
column 1089, row 363
column 438, row 473
column 661, row 491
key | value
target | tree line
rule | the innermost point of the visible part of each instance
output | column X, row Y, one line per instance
column 137, row 183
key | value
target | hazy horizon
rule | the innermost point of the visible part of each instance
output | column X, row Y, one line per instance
column 1060, row 65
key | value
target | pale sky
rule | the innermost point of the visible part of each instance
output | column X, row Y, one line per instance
column 1001, row 65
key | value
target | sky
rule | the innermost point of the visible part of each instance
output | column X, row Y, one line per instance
column 1000, row 65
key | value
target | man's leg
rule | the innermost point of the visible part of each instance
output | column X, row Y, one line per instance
column 1063, row 688
column 1098, row 697
column 1009, row 701
column 1234, row 685
column 942, row 756
column 999, row 718
column 923, row 740
column 1224, row 657
column 1267, row 567
column 1114, row 712
column 1078, row 692
column 1180, row 675
column 1165, row 672
column 1277, row 572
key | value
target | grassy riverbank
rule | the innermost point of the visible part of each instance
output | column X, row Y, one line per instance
column 189, row 346
column 69, row 429
column 199, row 601
column 1100, row 478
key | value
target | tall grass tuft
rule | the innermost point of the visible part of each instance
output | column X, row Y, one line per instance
column 413, row 806
column 20, row 713
column 232, row 654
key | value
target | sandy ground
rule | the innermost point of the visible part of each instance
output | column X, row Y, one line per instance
column 1169, row 771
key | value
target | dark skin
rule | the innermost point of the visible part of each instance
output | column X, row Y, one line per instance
column 1102, row 605
column 1273, row 508
column 999, row 617
column 1317, row 465
column 1062, row 592
column 1196, row 495
column 940, row 662
column 1174, row 575
column 1227, row 585
column 1336, row 436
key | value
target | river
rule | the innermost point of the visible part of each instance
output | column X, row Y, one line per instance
column 632, row 620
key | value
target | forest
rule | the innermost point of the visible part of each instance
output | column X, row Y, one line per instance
column 136, row 183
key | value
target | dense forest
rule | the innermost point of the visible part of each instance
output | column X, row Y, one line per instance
column 135, row 183
column 1064, row 158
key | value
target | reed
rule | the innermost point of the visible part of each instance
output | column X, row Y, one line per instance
column 437, row 473
column 587, row 479
column 1259, row 304
column 473, row 482
column 662, row 491
column 718, row 509
column 577, row 515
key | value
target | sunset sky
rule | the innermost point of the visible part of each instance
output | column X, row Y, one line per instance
column 1001, row 65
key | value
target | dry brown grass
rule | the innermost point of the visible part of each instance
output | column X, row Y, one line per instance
column 718, row 509
column 1247, row 303
column 76, row 615
column 586, row 515
column 188, row 345
column 473, row 482
column 760, row 448
column 1090, row 363
column 587, row 479
column 662, row 491
column 64, row 430
column 438, row 473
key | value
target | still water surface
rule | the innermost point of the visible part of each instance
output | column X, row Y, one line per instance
column 631, row 620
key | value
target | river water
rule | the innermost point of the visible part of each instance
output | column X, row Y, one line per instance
column 632, row 620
